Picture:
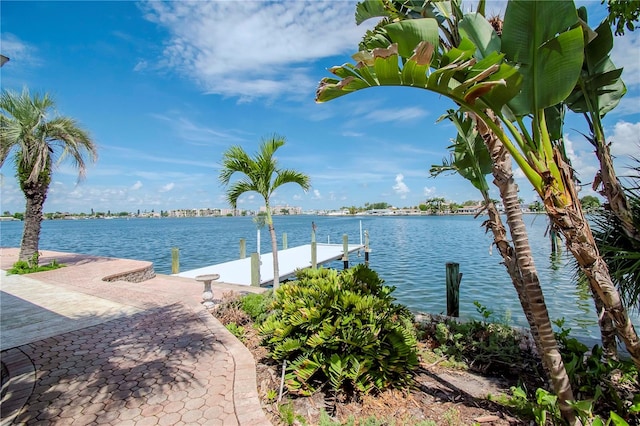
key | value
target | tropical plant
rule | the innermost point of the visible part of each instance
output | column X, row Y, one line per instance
column 261, row 175
column 550, row 59
column 341, row 330
column 486, row 346
column 621, row 252
column 598, row 91
column 38, row 142
column 479, row 84
column 472, row 159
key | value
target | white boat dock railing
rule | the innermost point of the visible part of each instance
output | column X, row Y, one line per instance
column 289, row 261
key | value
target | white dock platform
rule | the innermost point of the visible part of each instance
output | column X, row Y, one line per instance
column 289, row 260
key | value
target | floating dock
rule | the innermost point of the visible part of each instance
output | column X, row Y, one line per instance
column 289, row 260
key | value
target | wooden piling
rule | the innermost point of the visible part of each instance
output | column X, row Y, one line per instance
column 255, row 269
column 284, row 241
column 243, row 248
column 314, row 255
column 453, row 289
column 553, row 235
column 175, row 260
column 345, row 251
column 366, row 248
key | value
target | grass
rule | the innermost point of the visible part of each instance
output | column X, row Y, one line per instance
column 22, row 267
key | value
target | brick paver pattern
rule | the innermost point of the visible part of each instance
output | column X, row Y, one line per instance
column 171, row 364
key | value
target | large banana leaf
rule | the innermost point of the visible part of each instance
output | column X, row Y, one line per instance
column 476, row 28
column 600, row 87
column 408, row 34
column 546, row 41
column 459, row 76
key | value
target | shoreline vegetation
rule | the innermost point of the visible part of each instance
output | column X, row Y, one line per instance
column 431, row 207
column 453, row 372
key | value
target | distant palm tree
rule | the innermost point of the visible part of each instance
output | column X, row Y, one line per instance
column 38, row 142
column 261, row 175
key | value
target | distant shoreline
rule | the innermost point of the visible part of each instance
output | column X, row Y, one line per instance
column 392, row 214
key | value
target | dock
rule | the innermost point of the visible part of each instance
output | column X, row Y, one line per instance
column 289, row 261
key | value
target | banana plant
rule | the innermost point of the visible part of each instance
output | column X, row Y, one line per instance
column 598, row 91
column 470, row 158
column 537, row 67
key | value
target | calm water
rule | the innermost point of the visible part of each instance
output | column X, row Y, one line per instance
column 408, row 252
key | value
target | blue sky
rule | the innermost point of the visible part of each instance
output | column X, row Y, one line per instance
column 165, row 87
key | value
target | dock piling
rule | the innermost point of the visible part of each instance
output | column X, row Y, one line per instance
column 243, row 248
column 284, row 241
column 255, row 269
column 345, row 251
column 366, row 248
column 453, row 289
column 175, row 260
column 314, row 255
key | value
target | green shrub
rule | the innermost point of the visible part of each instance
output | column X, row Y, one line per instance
column 22, row 267
column 236, row 330
column 488, row 347
column 257, row 305
column 612, row 385
column 340, row 330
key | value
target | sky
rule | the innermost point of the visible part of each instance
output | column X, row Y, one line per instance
column 164, row 88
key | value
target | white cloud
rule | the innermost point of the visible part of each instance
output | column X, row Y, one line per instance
column 253, row 49
column 18, row 51
column 316, row 195
column 187, row 130
column 400, row 114
column 427, row 191
column 350, row 134
column 625, row 139
column 136, row 186
column 168, row 187
column 584, row 162
column 626, row 54
column 628, row 106
column 141, row 65
column 400, row 187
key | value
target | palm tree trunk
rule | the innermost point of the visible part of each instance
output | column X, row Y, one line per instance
column 613, row 191
column 510, row 262
column 575, row 228
column 35, row 194
column 532, row 295
column 274, row 250
column 607, row 329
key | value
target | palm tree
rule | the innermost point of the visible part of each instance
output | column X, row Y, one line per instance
column 38, row 142
column 620, row 251
column 477, row 152
column 261, row 175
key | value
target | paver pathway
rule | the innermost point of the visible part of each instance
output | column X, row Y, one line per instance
column 118, row 353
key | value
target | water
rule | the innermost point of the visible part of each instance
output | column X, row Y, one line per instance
column 408, row 252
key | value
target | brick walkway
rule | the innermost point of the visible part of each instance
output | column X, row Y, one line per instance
column 162, row 360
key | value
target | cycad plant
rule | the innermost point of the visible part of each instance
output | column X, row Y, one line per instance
column 341, row 331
